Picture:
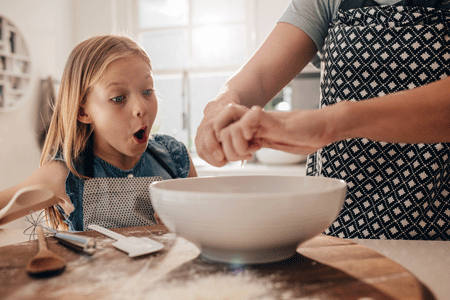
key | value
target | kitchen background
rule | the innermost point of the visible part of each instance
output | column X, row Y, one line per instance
column 195, row 45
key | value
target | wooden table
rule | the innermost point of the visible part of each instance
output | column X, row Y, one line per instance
column 324, row 268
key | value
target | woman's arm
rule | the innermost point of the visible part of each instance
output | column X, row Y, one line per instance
column 51, row 176
column 286, row 51
column 421, row 115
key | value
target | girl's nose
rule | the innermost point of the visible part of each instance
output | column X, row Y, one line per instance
column 140, row 107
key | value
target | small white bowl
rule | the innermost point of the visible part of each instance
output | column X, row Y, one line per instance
column 248, row 219
column 276, row 157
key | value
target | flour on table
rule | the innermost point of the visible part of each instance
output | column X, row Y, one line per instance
column 242, row 286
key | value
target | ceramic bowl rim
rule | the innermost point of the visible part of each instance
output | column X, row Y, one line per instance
column 340, row 185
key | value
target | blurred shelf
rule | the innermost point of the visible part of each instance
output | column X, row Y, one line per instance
column 14, row 66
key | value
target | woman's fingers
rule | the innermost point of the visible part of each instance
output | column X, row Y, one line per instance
column 234, row 145
column 229, row 136
column 207, row 145
column 257, row 129
column 251, row 123
column 208, row 141
column 230, row 114
column 236, row 132
column 237, row 138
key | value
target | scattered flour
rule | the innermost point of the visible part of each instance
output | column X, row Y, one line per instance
column 242, row 286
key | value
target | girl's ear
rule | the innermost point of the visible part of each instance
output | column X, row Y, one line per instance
column 83, row 117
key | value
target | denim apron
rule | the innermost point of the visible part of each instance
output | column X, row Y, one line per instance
column 395, row 191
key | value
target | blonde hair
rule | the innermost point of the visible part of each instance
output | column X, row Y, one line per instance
column 86, row 64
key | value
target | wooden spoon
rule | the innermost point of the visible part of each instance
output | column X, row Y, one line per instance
column 34, row 197
column 45, row 262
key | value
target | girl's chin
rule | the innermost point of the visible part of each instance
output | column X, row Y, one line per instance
column 135, row 151
column 138, row 150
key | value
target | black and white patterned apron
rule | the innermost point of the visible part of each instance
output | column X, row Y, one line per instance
column 118, row 202
column 395, row 191
column 113, row 202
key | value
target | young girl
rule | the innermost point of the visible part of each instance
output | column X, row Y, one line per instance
column 98, row 157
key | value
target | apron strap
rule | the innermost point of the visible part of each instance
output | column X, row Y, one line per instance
column 86, row 159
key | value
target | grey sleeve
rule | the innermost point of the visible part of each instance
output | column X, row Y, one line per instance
column 311, row 16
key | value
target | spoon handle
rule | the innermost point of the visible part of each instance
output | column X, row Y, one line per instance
column 41, row 238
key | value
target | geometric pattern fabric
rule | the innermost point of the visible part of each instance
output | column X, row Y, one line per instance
column 118, row 202
column 395, row 191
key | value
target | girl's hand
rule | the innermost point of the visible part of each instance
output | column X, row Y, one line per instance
column 157, row 219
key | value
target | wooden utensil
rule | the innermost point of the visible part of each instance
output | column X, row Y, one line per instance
column 29, row 198
column 45, row 262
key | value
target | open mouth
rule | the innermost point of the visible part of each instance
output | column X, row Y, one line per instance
column 140, row 136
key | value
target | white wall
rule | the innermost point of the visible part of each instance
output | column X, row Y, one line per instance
column 47, row 28
column 101, row 17
column 267, row 14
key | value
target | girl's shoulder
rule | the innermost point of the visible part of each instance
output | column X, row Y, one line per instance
column 165, row 142
column 172, row 151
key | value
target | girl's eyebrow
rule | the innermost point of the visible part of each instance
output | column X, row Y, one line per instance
column 148, row 76
column 113, row 83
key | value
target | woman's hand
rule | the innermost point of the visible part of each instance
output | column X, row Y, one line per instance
column 217, row 115
column 299, row 132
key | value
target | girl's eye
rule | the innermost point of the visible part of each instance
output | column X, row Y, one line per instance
column 118, row 99
column 148, row 92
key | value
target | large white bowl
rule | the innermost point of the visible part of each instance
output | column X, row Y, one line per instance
column 248, row 219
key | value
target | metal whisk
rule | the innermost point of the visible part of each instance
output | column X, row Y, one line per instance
column 74, row 241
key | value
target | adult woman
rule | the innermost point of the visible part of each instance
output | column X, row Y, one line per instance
column 395, row 57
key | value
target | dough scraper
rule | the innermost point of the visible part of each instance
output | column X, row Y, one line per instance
column 134, row 246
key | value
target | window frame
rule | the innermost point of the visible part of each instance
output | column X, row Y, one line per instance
column 249, row 22
column 187, row 135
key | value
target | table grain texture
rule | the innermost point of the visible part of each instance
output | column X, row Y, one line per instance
column 323, row 268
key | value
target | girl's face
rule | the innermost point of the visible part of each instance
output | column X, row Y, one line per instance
column 121, row 108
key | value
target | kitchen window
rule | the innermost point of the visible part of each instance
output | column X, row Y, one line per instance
column 195, row 46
